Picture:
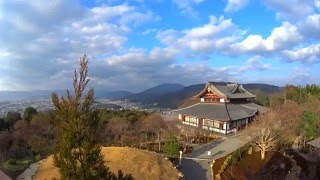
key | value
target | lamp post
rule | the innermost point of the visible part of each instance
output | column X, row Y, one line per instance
column 180, row 157
column 211, row 167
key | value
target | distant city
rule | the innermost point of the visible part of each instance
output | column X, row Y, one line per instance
column 46, row 104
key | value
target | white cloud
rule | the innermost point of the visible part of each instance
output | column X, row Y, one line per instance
column 310, row 27
column 41, row 37
column 136, row 69
column 309, row 54
column 254, row 64
column 292, row 10
column 282, row 37
column 149, row 31
column 317, row 3
column 187, row 6
column 235, row 5
column 216, row 36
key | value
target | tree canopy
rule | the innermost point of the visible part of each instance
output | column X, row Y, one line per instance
column 171, row 147
column 12, row 117
column 28, row 113
column 78, row 155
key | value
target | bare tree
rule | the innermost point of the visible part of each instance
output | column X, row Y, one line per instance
column 188, row 132
column 155, row 124
column 119, row 127
column 265, row 142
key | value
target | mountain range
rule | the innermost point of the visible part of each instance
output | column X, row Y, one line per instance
column 163, row 96
column 173, row 95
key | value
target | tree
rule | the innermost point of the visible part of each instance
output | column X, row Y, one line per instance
column 308, row 125
column 264, row 142
column 12, row 117
column 171, row 147
column 155, row 124
column 2, row 124
column 119, row 127
column 28, row 113
column 42, row 138
column 5, row 143
column 78, row 154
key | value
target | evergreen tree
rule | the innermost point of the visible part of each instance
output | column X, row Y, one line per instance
column 171, row 147
column 308, row 125
column 78, row 155
column 12, row 117
column 28, row 113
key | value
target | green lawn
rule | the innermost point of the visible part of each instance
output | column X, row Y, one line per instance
column 14, row 170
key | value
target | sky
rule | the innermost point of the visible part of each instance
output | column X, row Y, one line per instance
column 137, row 44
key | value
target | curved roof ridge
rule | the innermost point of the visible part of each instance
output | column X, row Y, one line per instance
column 255, row 109
column 186, row 107
column 203, row 90
column 246, row 90
column 236, row 87
column 217, row 90
column 248, row 106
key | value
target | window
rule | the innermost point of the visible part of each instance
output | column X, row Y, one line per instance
column 193, row 121
column 216, row 124
column 211, row 100
column 210, row 124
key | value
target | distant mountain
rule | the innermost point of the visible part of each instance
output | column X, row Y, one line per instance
column 24, row 95
column 46, row 94
column 265, row 88
column 101, row 94
column 151, row 95
column 175, row 98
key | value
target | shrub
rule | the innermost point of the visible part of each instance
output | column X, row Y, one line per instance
column 12, row 161
column 171, row 147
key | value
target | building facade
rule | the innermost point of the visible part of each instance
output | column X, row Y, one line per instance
column 220, row 107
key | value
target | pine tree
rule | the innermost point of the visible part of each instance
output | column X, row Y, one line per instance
column 171, row 147
column 78, row 155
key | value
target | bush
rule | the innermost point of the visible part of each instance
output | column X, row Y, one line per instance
column 171, row 147
column 37, row 158
column 12, row 161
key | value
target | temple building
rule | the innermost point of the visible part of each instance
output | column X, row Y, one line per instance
column 220, row 107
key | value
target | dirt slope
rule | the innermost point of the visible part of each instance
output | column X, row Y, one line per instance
column 139, row 163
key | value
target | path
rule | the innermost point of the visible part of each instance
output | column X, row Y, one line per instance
column 29, row 172
column 200, row 169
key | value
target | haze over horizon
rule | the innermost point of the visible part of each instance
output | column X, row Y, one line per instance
column 138, row 44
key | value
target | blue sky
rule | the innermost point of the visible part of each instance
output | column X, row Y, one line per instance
column 137, row 44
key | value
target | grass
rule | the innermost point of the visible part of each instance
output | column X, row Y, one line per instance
column 13, row 170
column 140, row 164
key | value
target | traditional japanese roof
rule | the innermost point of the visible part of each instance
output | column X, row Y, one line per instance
column 227, row 89
column 315, row 143
column 220, row 111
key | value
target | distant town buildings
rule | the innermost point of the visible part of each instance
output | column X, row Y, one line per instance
column 220, row 107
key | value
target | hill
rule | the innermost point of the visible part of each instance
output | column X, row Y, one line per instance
column 101, row 94
column 46, row 94
column 140, row 164
column 151, row 95
column 174, row 99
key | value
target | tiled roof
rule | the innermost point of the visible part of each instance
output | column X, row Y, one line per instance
column 219, row 111
column 232, row 90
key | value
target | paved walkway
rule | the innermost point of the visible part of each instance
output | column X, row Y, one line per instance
column 200, row 169
column 29, row 172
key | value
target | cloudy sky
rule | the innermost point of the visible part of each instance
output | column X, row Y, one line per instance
column 137, row 44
